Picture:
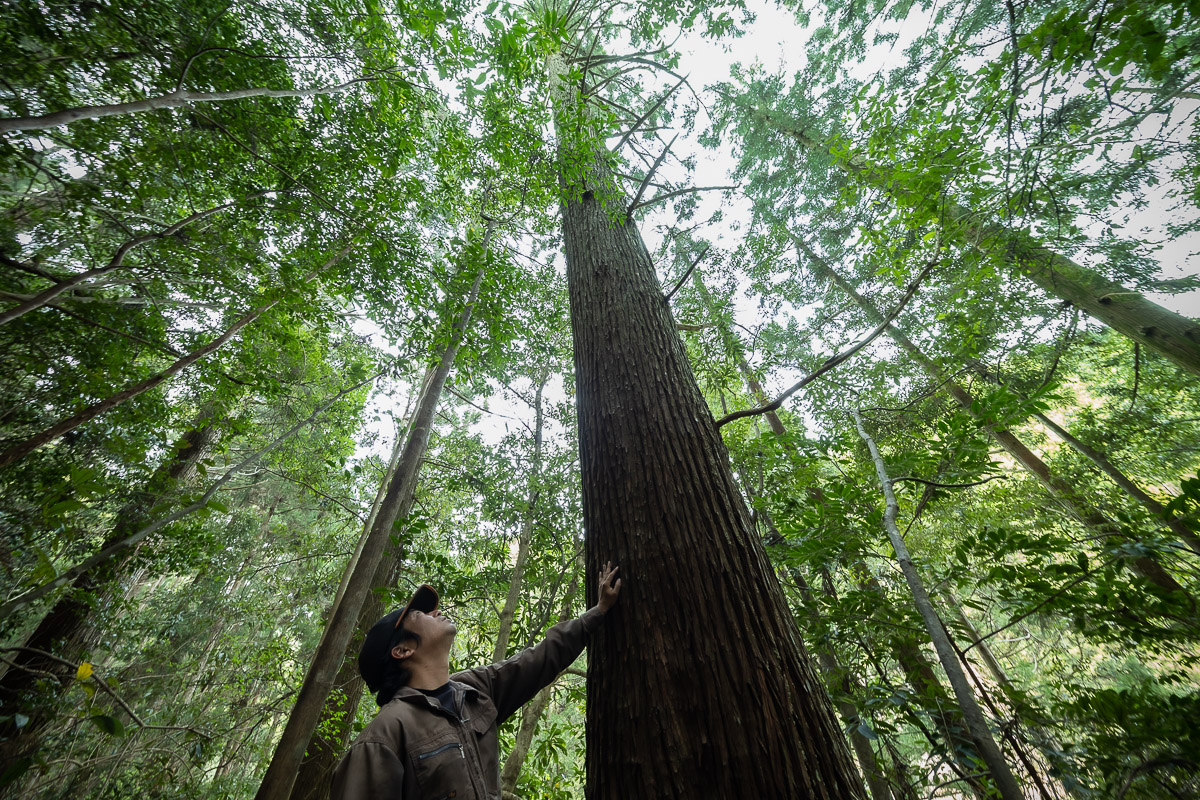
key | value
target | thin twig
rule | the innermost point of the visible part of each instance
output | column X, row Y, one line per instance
column 638, row 122
column 103, row 686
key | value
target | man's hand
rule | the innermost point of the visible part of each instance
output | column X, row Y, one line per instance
column 609, row 589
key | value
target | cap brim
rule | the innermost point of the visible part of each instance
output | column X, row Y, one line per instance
column 424, row 599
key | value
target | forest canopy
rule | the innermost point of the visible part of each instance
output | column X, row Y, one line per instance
column 304, row 304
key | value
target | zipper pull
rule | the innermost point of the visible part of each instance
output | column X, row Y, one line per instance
column 461, row 753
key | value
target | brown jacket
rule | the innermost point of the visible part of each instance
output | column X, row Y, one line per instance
column 416, row 750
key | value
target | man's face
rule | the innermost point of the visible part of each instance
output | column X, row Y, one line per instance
column 434, row 627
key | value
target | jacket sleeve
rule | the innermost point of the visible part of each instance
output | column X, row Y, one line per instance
column 369, row 771
column 514, row 682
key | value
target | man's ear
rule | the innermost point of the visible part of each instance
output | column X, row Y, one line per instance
column 403, row 650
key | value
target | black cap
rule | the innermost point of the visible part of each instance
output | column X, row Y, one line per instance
column 376, row 650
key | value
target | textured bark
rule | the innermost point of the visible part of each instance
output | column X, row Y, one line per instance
column 1144, row 566
column 19, row 451
column 71, row 628
column 373, row 562
column 699, row 686
column 1128, row 312
column 977, row 725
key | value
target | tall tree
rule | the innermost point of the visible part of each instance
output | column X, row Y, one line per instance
column 660, row 500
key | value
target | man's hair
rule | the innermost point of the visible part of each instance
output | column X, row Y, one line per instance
column 396, row 675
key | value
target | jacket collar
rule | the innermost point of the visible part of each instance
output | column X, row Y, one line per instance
column 417, row 697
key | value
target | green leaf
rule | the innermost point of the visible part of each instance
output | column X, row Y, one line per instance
column 109, row 724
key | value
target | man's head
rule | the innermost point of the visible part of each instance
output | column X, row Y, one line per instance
column 414, row 637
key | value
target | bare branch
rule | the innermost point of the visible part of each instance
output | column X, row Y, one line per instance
column 646, row 181
column 659, row 198
column 638, row 122
column 686, row 275
column 832, row 361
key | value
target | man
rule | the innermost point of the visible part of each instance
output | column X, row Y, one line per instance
column 435, row 735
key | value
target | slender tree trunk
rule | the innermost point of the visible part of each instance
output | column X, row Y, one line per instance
column 1173, row 335
column 335, row 726
column 977, row 725
column 1101, row 462
column 117, row 547
column 526, row 536
column 701, row 605
column 917, row 669
column 531, row 714
column 298, row 732
column 19, row 451
column 1045, row 742
column 1144, row 566
column 175, row 99
column 835, row 674
column 198, row 681
column 116, row 262
column 73, row 625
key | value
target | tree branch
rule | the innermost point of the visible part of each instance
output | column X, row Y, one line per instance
column 687, row 274
column 638, row 122
column 646, row 181
column 952, row 485
column 170, row 100
column 658, row 198
column 103, row 686
column 832, row 361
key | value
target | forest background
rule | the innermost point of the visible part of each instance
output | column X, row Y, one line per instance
column 280, row 276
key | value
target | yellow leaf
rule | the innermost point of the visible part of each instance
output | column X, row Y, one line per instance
column 84, row 672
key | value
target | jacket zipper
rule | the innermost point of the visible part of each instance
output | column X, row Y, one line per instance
column 443, row 749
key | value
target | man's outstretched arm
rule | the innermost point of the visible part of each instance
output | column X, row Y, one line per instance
column 512, row 683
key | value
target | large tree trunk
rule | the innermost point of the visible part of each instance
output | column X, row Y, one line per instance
column 1128, row 312
column 22, row 449
column 373, row 563
column 699, row 685
column 73, row 625
column 977, row 724
column 1144, row 566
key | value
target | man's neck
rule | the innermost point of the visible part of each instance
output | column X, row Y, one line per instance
column 427, row 676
